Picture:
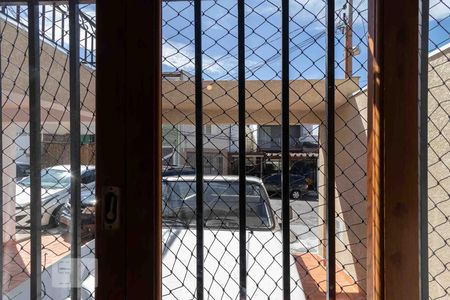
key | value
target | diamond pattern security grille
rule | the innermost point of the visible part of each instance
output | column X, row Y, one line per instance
column 438, row 150
column 221, row 142
column 263, row 140
column 56, row 136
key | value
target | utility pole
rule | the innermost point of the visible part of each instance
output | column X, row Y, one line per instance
column 348, row 40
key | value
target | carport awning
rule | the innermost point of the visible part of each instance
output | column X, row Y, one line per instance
column 55, row 85
column 55, row 117
column 263, row 101
column 294, row 155
column 278, row 155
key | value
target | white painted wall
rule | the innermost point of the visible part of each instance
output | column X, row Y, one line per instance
column 9, row 185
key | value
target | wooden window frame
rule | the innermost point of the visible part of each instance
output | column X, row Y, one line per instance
column 393, row 157
column 129, row 147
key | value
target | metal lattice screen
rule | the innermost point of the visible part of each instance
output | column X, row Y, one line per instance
column 438, row 116
column 222, row 142
column 218, row 136
column 55, row 137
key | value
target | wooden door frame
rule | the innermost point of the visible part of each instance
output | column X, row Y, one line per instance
column 128, row 133
column 393, row 158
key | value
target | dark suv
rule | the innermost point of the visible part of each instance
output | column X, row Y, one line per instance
column 298, row 185
column 22, row 170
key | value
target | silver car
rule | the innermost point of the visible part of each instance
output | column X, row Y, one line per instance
column 221, row 241
column 55, row 182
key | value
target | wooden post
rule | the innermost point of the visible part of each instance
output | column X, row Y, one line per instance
column 110, row 248
column 393, row 165
column 349, row 53
column 129, row 147
column 374, row 165
column 143, row 116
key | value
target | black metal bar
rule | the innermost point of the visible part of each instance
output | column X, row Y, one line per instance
column 91, row 52
column 75, row 143
column 62, row 2
column 285, row 146
column 62, row 28
column 53, row 22
column 35, row 146
column 45, row 2
column 85, row 45
column 43, row 19
column 423, row 150
column 199, row 143
column 242, row 179
column 87, row 19
column 2, row 172
column 330, row 166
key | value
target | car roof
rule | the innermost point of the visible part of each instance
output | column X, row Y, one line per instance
column 67, row 167
column 176, row 167
column 227, row 178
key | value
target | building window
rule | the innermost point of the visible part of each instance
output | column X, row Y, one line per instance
column 213, row 163
column 208, row 129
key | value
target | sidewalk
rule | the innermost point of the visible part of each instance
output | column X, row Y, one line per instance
column 17, row 258
column 313, row 274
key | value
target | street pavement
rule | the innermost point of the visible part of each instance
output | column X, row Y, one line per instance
column 304, row 224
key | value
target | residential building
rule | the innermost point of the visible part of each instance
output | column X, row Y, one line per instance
column 269, row 137
column 218, row 139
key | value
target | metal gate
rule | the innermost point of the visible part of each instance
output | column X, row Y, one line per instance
column 257, row 111
column 264, row 149
column 48, row 149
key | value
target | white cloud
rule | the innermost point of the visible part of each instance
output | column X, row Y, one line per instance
column 178, row 55
column 181, row 56
column 55, row 26
column 439, row 9
column 264, row 10
column 89, row 9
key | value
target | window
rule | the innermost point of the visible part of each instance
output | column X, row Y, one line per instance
column 208, row 129
column 221, row 205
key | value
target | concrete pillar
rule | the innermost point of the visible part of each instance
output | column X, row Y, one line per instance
column 322, row 188
column 351, row 187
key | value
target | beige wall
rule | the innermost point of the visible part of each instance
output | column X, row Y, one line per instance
column 54, row 69
column 351, row 193
column 351, row 187
column 350, row 183
column 439, row 174
column 54, row 83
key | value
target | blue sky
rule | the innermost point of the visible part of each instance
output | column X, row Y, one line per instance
column 55, row 26
column 263, row 37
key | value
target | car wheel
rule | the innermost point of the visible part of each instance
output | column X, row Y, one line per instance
column 53, row 221
column 296, row 194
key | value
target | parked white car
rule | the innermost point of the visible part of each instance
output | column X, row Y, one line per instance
column 55, row 181
column 221, row 241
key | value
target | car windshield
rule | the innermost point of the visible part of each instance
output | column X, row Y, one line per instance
column 273, row 179
column 51, row 178
column 221, row 204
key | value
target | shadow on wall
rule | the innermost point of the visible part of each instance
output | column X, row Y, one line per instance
column 351, row 187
